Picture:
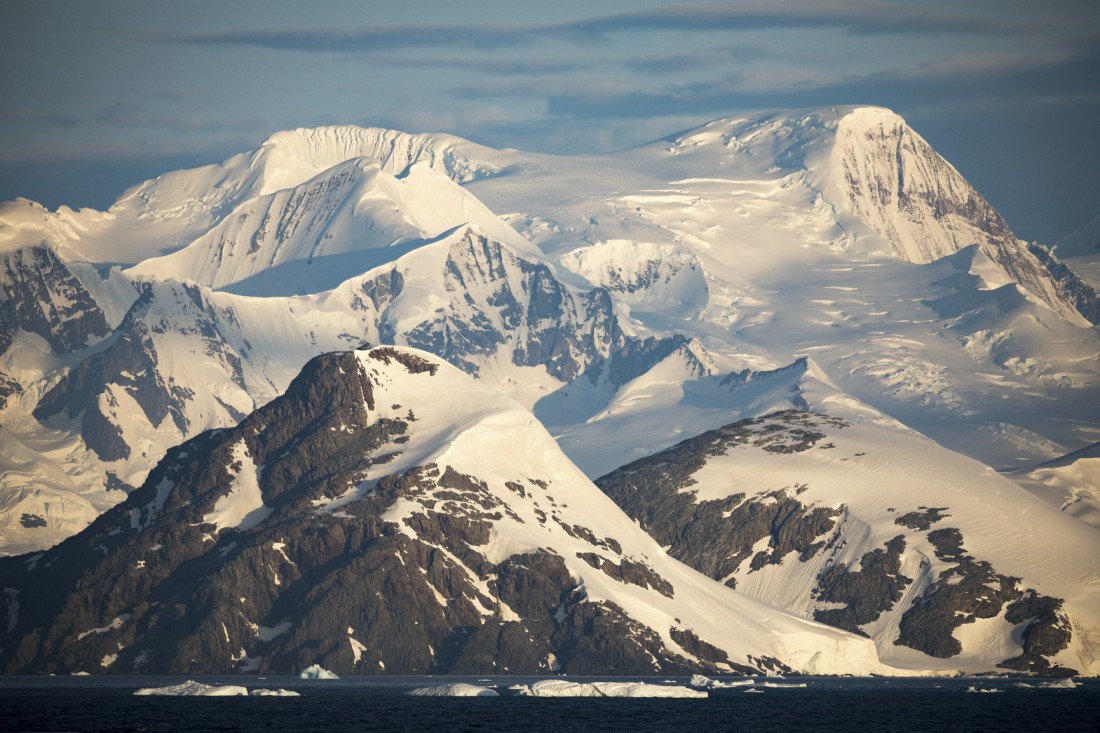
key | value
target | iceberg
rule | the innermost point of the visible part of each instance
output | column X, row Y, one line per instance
column 782, row 685
column 700, row 681
column 274, row 693
column 563, row 688
column 191, row 688
column 453, row 689
column 317, row 672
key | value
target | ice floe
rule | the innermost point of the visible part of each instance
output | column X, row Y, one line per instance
column 317, row 672
column 453, row 689
column 191, row 688
column 563, row 688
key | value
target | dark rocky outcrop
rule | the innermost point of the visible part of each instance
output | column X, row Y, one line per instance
column 1074, row 289
column 866, row 592
column 922, row 518
column 45, row 298
column 717, row 536
column 1047, row 633
column 31, row 521
column 973, row 590
column 630, row 571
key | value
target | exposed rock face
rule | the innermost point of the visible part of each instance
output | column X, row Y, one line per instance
column 130, row 368
column 897, row 184
column 866, row 592
column 311, row 533
column 43, row 297
column 1076, row 290
column 496, row 299
column 923, row 518
column 8, row 387
column 972, row 590
column 717, row 536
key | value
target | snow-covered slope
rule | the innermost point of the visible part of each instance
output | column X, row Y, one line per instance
column 388, row 513
column 171, row 211
column 186, row 359
column 814, row 235
column 850, row 518
column 311, row 237
column 1069, row 483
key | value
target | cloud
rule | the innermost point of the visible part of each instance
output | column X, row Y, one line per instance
column 362, row 39
column 495, row 66
column 857, row 16
column 1010, row 78
column 854, row 16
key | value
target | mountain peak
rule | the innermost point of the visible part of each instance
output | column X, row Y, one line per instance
column 291, row 157
column 389, row 513
column 339, row 222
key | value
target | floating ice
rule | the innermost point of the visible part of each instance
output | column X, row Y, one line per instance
column 317, row 672
column 453, row 689
column 698, row 680
column 782, row 685
column 1062, row 684
column 274, row 693
column 562, row 688
column 191, row 688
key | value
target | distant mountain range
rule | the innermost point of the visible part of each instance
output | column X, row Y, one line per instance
column 791, row 348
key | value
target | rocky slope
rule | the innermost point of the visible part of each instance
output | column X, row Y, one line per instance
column 185, row 359
column 386, row 514
column 40, row 294
column 875, row 530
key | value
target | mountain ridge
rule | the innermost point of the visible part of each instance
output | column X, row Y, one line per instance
column 328, row 481
column 816, row 261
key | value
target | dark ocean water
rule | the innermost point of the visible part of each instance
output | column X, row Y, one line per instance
column 379, row 704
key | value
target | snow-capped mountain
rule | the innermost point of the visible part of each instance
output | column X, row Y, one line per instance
column 308, row 238
column 843, row 515
column 824, row 261
column 186, row 359
column 387, row 514
column 795, row 224
column 40, row 295
column 171, row 211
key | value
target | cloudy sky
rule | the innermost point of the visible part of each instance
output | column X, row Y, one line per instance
column 101, row 95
